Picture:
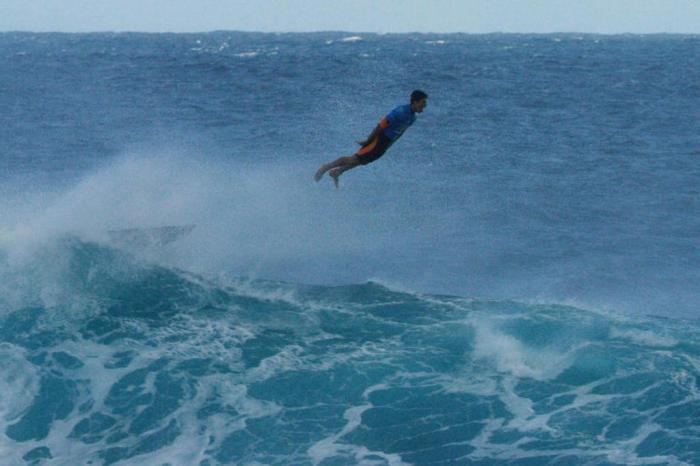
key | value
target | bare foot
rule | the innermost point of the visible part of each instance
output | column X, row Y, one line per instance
column 335, row 174
column 319, row 173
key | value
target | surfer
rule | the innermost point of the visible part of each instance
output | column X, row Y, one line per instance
column 389, row 129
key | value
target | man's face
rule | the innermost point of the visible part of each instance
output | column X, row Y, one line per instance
column 419, row 105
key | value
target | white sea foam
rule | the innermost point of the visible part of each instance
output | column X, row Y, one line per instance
column 332, row 445
column 513, row 357
column 644, row 337
column 18, row 383
column 248, row 54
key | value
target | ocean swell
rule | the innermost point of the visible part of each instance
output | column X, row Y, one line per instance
column 109, row 359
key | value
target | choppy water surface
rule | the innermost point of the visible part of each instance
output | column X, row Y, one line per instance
column 515, row 282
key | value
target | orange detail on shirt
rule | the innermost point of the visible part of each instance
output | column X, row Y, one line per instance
column 384, row 123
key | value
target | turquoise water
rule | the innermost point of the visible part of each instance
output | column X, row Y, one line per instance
column 141, row 364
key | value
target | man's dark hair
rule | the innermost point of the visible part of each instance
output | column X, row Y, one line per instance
column 418, row 95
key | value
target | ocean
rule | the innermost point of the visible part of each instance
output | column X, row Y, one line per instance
column 516, row 282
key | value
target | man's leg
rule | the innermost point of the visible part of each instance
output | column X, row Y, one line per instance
column 337, row 171
column 341, row 162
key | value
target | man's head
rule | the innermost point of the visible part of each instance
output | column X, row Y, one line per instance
column 419, row 100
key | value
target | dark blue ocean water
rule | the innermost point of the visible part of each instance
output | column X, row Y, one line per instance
column 515, row 282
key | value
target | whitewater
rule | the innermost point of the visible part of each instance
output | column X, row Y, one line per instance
column 515, row 282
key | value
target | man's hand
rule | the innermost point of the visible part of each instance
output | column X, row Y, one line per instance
column 375, row 132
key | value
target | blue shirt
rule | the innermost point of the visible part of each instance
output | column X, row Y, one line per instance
column 397, row 121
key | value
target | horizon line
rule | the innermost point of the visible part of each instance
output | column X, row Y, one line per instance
column 333, row 31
